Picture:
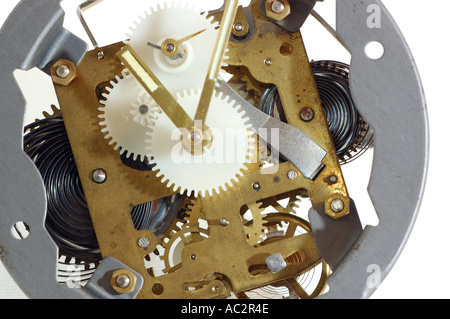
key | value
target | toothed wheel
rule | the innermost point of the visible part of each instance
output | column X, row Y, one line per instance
column 255, row 229
column 122, row 126
column 153, row 35
column 218, row 165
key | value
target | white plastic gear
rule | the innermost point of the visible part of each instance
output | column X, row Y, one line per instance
column 215, row 169
column 175, row 20
column 126, row 134
column 140, row 116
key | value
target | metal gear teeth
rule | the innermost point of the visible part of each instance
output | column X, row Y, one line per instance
column 257, row 231
column 55, row 111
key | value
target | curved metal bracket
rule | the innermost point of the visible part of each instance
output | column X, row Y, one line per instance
column 389, row 94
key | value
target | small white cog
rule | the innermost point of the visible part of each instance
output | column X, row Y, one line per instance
column 142, row 109
column 124, row 132
column 175, row 20
column 213, row 170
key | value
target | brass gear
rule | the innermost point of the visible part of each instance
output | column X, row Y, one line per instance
column 184, row 230
column 255, row 228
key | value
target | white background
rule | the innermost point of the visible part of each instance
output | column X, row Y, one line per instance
column 420, row 271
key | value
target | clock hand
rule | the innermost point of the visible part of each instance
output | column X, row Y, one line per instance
column 154, row 87
column 171, row 47
column 158, row 47
column 189, row 37
column 217, row 59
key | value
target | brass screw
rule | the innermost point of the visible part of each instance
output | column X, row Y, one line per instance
column 277, row 9
column 63, row 72
column 337, row 205
column 123, row 281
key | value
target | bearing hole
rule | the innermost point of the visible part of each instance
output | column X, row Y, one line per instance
column 286, row 49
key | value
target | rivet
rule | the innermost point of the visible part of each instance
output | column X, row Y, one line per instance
column 238, row 27
column 144, row 242
column 307, row 114
column 99, row 176
column 292, row 175
column 224, row 221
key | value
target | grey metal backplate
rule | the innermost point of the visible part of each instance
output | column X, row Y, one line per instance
column 389, row 94
column 25, row 43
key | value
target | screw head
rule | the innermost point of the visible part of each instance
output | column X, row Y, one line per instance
column 307, row 114
column 123, row 281
column 99, row 176
column 278, row 7
column 337, row 205
column 238, row 27
column 62, row 71
column 224, row 221
column 268, row 62
column 292, row 175
column 256, row 186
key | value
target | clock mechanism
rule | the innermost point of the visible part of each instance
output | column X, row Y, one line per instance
column 203, row 155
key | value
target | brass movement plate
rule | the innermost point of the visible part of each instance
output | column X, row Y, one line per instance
column 221, row 260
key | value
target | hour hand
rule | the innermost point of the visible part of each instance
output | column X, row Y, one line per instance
column 154, row 87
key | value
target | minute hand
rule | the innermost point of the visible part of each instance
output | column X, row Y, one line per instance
column 154, row 87
column 217, row 59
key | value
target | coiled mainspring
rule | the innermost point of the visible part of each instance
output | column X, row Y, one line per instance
column 351, row 134
column 68, row 220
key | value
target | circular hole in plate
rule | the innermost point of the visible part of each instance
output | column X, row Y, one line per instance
column 374, row 50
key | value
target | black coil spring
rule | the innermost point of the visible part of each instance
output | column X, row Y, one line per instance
column 68, row 220
column 351, row 134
